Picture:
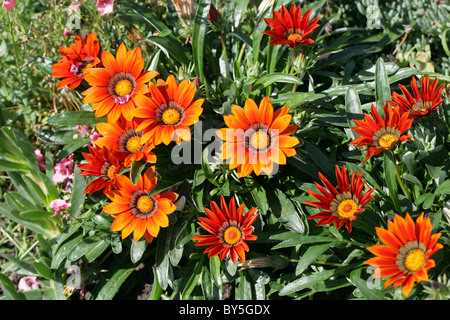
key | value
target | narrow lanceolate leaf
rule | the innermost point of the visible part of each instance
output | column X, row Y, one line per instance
column 272, row 78
column 74, row 118
column 306, row 282
column 391, row 179
column 198, row 36
column 111, row 287
column 310, row 255
column 353, row 106
column 382, row 89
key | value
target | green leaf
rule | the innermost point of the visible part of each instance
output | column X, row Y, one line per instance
column 193, row 279
column 309, row 256
column 443, row 188
column 162, row 261
column 382, row 88
column 285, row 211
column 64, row 249
column 73, row 118
column 390, row 177
column 137, row 250
column 243, row 289
column 77, row 198
column 112, row 286
column 362, row 285
column 9, row 289
column 298, row 240
column 156, row 288
column 276, row 77
column 214, row 268
column 319, row 158
column 353, row 109
column 25, row 266
column 306, row 281
column 43, row 270
column 198, row 36
column 170, row 47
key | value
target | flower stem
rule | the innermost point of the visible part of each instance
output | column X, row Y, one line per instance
column 14, row 48
column 400, row 180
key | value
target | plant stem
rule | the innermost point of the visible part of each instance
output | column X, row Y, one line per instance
column 399, row 179
column 14, row 48
column 323, row 263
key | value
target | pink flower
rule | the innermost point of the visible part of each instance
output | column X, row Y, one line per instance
column 9, row 4
column 28, row 283
column 84, row 130
column 58, row 205
column 41, row 159
column 64, row 170
column 67, row 33
column 75, row 6
column 105, row 6
column 95, row 136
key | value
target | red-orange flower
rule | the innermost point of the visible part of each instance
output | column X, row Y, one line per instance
column 123, row 136
column 115, row 87
column 168, row 111
column 229, row 230
column 381, row 134
column 77, row 59
column 257, row 138
column 290, row 27
column 103, row 163
column 342, row 205
column 405, row 256
column 423, row 102
column 135, row 210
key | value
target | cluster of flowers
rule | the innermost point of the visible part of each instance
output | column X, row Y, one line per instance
column 141, row 114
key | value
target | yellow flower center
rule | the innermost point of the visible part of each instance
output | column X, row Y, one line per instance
column 387, row 140
column 295, row 37
column 232, row 235
column 421, row 106
column 171, row 116
column 414, row 259
column 134, row 144
column 123, row 87
column 347, row 208
column 145, row 204
column 111, row 172
column 260, row 140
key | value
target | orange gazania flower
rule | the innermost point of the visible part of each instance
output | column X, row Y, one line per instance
column 423, row 102
column 77, row 59
column 381, row 134
column 405, row 256
column 122, row 136
column 168, row 110
column 340, row 206
column 290, row 27
column 135, row 210
column 257, row 138
column 115, row 87
column 229, row 228
column 103, row 163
